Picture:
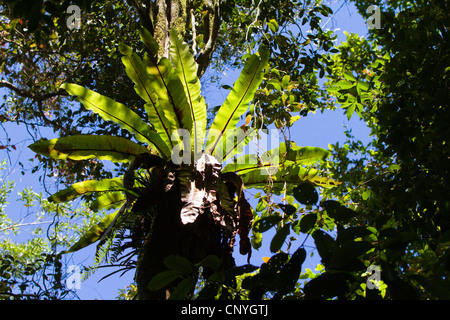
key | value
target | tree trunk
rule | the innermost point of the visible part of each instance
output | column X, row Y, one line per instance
column 168, row 15
column 162, row 241
column 169, row 236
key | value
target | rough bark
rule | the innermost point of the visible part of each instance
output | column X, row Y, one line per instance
column 172, row 14
column 169, row 236
column 168, row 15
column 212, row 24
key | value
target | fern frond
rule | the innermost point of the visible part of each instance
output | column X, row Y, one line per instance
column 101, row 256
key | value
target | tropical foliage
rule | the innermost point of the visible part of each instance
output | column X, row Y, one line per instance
column 30, row 267
column 213, row 208
column 376, row 212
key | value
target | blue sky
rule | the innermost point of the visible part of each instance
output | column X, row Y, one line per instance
column 314, row 130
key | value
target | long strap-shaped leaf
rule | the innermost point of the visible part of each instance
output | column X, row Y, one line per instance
column 108, row 200
column 93, row 234
column 186, row 69
column 84, row 187
column 286, row 177
column 79, row 147
column 150, row 88
column 111, row 110
column 238, row 99
column 279, row 156
column 167, row 85
column 235, row 141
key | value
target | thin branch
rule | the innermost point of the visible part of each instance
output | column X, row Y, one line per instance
column 23, row 225
column 144, row 15
column 27, row 94
column 210, row 35
column 15, row 295
column 39, row 52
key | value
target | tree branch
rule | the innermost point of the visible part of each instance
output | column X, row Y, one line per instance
column 144, row 15
column 27, row 94
column 23, row 225
column 210, row 35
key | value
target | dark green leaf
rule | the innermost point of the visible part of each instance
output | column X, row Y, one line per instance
column 279, row 238
column 435, row 288
column 163, row 279
column 351, row 233
column 183, row 289
column 345, row 254
column 306, row 194
column 265, row 223
column 288, row 209
column 338, row 212
column 176, row 262
column 211, row 261
column 327, row 286
column 290, row 272
column 275, row 263
column 308, row 222
column 325, row 244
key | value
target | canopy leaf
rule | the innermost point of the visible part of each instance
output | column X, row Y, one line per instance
column 93, row 234
column 85, row 187
column 237, row 102
column 285, row 178
column 108, row 200
column 235, row 141
column 111, row 110
column 279, row 238
column 80, row 147
column 276, row 157
column 186, row 69
column 159, row 86
column 146, row 87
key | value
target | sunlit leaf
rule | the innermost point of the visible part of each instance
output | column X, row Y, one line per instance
column 79, row 147
column 186, row 69
column 108, row 200
column 237, row 102
column 111, row 110
column 93, row 234
column 85, row 187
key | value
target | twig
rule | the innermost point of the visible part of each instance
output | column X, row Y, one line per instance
column 24, row 224
column 26, row 94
